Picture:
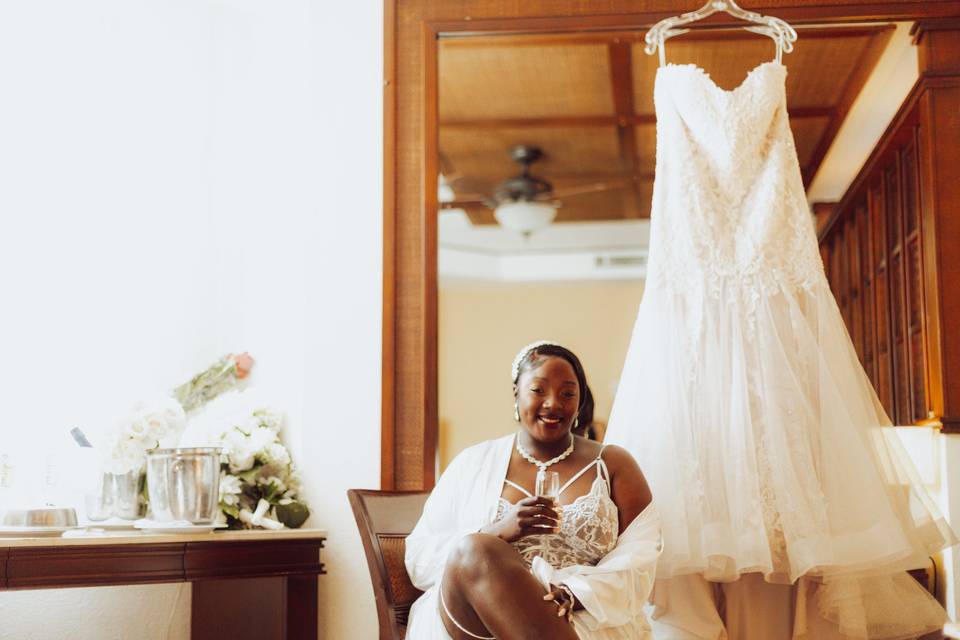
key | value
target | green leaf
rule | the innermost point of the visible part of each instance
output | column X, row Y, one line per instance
column 292, row 515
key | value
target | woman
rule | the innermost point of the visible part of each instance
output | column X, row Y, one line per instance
column 496, row 561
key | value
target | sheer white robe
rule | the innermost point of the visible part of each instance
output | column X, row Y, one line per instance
column 613, row 592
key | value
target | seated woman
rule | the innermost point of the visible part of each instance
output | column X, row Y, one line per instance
column 496, row 561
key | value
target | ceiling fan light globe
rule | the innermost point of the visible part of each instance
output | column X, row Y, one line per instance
column 525, row 216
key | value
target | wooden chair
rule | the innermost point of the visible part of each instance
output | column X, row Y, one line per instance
column 385, row 519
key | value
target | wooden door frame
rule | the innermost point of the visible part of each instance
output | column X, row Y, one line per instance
column 412, row 29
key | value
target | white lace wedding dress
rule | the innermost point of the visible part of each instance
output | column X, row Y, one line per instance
column 742, row 396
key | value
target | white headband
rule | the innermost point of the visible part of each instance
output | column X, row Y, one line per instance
column 523, row 353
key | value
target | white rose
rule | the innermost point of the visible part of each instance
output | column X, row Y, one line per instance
column 239, row 453
column 278, row 454
column 230, row 488
column 293, row 483
column 156, row 426
column 167, row 411
column 136, row 428
column 248, row 425
column 261, row 438
column 124, row 456
column 270, row 418
column 241, row 461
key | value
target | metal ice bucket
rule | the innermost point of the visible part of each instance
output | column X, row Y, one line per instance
column 184, row 484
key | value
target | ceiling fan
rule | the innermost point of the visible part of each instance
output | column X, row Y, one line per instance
column 523, row 202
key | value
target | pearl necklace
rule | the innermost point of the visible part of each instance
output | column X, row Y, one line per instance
column 542, row 466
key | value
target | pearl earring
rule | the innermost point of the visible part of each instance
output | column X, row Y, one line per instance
column 516, row 412
column 576, row 422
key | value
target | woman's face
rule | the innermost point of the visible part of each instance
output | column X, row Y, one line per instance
column 548, row 397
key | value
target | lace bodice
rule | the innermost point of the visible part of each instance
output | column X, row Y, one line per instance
column 588, row 528
column 729, row 211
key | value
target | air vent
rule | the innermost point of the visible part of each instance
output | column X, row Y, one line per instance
column 620, row 261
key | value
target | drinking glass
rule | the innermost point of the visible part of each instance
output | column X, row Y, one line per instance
column 116, row 495
column 548, row 486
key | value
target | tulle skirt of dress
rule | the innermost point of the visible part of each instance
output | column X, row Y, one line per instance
column 766, row 446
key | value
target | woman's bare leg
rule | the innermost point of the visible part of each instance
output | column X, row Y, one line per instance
column 491, row 592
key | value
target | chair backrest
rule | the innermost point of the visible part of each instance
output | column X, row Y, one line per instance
column 385, row 519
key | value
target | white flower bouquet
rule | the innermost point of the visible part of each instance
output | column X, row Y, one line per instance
column 258, row 483
column 119, row 488
column 145, row 426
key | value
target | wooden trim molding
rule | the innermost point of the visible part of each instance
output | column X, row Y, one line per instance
column 950, row 425
column 412, row 27
column 388, row 345
column 621, row 80
column 429, row 340
column 250, row 559
column 44, row 567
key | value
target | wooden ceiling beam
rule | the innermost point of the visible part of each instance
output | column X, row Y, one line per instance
column 560, row 122
column 565, row 180
column 621, row 80
column 724, row 32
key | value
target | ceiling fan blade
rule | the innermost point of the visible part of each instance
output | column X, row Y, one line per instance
column 477, row 212
column 590, row 187
column 465, row 202
column 468, row 185
column 480, row 215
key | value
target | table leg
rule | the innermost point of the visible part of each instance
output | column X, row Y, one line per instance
column 301, row 608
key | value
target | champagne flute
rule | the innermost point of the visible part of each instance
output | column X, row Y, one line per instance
column 548, row 486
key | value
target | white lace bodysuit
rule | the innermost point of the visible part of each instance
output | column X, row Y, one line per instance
column 588, row 529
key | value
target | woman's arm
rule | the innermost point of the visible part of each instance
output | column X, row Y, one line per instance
column 629, row 488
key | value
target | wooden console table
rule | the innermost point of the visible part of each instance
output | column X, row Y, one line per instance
column 271, row 574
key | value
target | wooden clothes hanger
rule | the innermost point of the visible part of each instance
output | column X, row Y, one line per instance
column 782, row 33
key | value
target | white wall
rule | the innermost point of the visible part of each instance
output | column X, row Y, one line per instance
column 948, row 495
column 180, row 179
column 936, row 457
column 481, row 327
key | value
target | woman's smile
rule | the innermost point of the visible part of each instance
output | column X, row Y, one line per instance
column 551, row 420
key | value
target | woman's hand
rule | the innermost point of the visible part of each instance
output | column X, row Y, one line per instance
column 563, row 597
column 530, row 517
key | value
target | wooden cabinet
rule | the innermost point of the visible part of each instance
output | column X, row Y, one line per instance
column 876, row 274
column 890, row 246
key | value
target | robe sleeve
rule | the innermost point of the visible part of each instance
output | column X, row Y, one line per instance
column 445, row 520
column 615, row 590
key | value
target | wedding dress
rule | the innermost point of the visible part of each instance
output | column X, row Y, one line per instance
column 742, row 397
